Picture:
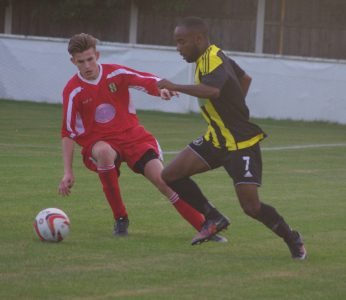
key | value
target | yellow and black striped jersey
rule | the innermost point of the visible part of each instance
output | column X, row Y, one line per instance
column 227, row 116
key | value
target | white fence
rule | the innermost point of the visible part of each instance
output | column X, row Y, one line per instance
column 36, row 69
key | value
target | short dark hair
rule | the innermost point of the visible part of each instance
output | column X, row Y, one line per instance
column 194, row 23
column 81, row 42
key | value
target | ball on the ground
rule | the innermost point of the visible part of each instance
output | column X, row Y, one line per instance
column 52, row 225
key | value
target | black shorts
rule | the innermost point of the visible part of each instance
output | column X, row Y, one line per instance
column 244, row 165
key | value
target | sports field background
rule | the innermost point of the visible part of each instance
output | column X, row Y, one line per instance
column 304, row 178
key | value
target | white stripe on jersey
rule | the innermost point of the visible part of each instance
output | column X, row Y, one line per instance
column 79, row 125
column 69, row 110
column 124, row 71
column 138, row 88
column 132, row 107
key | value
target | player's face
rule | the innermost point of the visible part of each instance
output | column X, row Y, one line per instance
column 86, row 62
column 186, row 41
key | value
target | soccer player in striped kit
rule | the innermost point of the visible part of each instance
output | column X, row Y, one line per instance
column 231, row 140
column 99, row 116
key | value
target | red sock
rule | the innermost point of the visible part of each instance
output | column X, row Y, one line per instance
column 109, row 179
column 194, row 217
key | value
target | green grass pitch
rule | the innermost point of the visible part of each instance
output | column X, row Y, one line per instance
column 307, row 185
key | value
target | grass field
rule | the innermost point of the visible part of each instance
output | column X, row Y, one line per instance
column 307, row 184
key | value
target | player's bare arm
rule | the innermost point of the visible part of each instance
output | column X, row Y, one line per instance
column 197, row 90
column 67, row 181
column 245, row 82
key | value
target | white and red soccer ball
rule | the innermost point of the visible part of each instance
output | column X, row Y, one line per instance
column 52, row 225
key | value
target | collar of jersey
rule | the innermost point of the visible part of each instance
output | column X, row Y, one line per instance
column 95, row 81
column 209, row 49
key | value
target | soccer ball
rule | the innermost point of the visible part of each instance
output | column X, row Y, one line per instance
column 52, row 225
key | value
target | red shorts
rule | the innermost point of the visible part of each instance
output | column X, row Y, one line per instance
column 130, row 146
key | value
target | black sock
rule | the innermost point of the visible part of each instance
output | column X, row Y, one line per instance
column 271, row 218
column 189, row 191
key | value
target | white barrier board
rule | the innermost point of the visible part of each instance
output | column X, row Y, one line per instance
column 37, row 69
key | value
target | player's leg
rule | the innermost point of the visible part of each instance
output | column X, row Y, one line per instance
column 152, row 171
column 150, row 165
column 190, row 161
column 143, row 155
column 253, row 207
column 105, row 156
column 177, row 176
column 245, row 167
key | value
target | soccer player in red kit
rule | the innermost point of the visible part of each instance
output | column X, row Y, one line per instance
column 99, row 116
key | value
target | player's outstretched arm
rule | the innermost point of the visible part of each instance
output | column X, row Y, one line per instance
column 67, row 181
column 197, row 90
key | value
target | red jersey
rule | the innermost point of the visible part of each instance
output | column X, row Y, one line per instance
column 98, row 109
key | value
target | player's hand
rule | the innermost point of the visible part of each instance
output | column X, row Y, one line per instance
column 66, row 184
column 167, row 95
column 166, row 84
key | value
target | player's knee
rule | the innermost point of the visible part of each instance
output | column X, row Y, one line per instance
column 249, row 200
column 251, row 212
column 103, row 153
column 251, row 208
column 158, row 181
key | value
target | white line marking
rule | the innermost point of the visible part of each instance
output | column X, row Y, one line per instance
column 298, row 147
column 30, row 146
column 277, row 148
column 292, row 147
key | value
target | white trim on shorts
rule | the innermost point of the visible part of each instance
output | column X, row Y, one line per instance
column 244, row 182
column 160, row 152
